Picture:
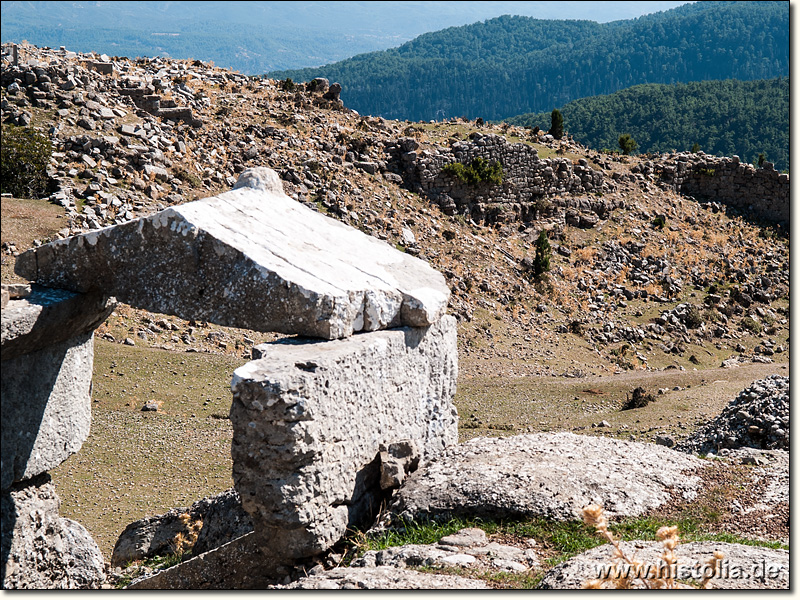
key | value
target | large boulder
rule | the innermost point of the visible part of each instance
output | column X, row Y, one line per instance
column 47, row 352
column 41, row 550
column 552, row 475
column 311, row 421
column 251, row 258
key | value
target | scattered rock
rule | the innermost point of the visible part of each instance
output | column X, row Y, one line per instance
column 757, row 418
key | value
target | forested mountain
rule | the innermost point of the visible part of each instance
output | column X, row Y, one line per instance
column 512, row 65
column 725, row 118
column 258, row 36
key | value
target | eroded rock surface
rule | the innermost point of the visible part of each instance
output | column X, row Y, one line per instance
column 551, row 475
column 469, row 548
column 251, row 258
column 743, row 567
column 41, row 550
column 310, row 421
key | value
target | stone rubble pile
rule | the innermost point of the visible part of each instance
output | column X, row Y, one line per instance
column 757, row 418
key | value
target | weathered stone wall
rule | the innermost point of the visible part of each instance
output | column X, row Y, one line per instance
column 532, row 188
column 310, row 421
column 763, row 192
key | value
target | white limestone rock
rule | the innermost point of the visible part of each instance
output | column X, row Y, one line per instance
column 251, row 258
column 552, row 475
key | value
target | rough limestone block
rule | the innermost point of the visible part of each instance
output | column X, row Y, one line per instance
column 41, row 550
column 551, row 475
column 47, row 349
column 46, row 316
column 383, row 578
column 311, row 419
column 251, row 258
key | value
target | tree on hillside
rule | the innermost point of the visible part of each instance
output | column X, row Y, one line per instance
column 627, row 143
column 556, row 124
column 541, row 260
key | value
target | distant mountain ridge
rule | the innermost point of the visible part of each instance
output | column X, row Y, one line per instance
column 513, row 65
column 257, row 36
column 728, row 117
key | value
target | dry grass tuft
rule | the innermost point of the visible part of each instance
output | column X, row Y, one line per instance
column 627, row 570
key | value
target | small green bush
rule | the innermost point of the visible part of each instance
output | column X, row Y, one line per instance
column 751, row 325
column 660, row 222
column 694, row 318
column 477, row 172
column 25, row 155
column 627, row 144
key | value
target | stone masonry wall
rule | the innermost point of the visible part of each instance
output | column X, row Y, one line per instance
column 532, row 188
column 763, row 192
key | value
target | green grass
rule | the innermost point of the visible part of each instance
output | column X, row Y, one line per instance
column 561, row 539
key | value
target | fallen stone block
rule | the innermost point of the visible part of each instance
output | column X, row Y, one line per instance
column 46, row 316
column 237, row 565
column 250, row 258
column 221, row 519
column 46, row 382
column 742, row 568
column 552, row 475
column 41, row 550
column 310, row 421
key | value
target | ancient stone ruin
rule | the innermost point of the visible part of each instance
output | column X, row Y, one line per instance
column 761, row 191
column 323, row 430
column 532, row 188
column 47, row 353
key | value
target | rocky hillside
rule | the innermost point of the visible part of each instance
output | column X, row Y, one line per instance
column 646, row 287
column 701, row 285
